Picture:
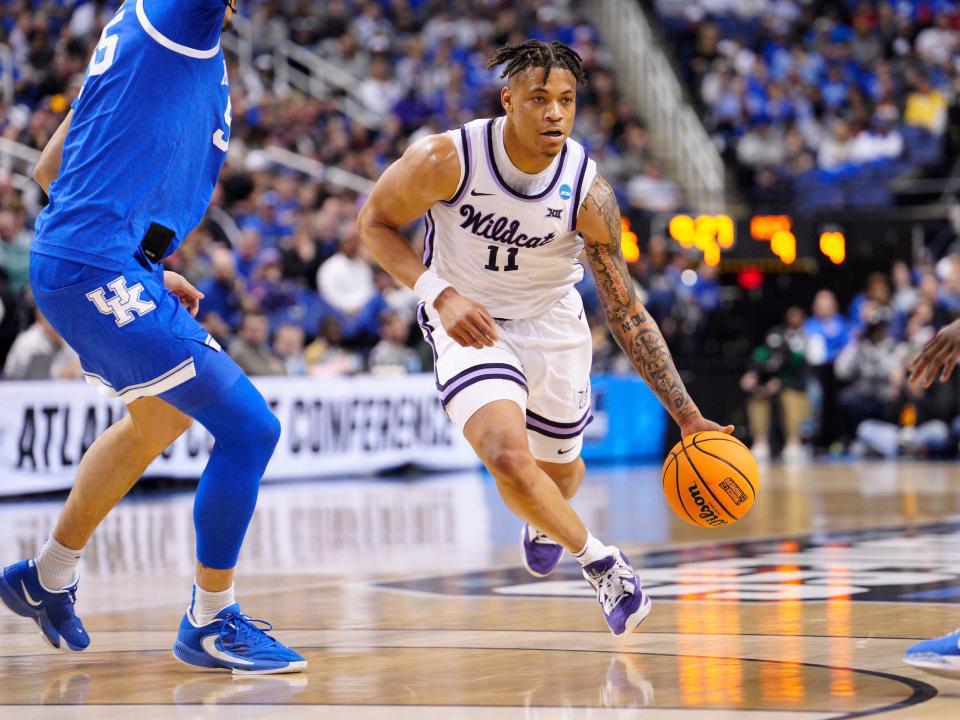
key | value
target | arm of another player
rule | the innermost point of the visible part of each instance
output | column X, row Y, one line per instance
column 428, row 172
column 48, row 166
column 635, row 331
column 943, row 351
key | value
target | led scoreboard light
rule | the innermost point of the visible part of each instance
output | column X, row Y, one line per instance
column 708, row 233
column 772, row 239
column 833, row 244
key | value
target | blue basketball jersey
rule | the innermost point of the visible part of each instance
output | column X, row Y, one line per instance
column 148, row 137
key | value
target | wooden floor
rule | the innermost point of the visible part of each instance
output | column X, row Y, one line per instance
column 409, row 601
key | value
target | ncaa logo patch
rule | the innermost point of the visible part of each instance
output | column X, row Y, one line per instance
column 565, row 192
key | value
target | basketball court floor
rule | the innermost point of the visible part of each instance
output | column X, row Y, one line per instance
column 410, row 602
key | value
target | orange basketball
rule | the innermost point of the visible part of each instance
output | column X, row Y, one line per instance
column 710, row 479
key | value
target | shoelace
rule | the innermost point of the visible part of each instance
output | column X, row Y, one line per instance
column 611, row 587
column 246, row 630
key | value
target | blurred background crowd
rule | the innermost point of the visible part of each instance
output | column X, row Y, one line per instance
column 822, row 104
column 814, row 104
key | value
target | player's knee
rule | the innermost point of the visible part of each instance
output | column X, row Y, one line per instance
column 513, row 467
column 263, row 432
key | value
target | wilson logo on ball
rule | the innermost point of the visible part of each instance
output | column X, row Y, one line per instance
column 707, row 513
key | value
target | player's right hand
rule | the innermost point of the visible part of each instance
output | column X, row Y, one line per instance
column 466, row 321
column 186, row 293
column 943, row 351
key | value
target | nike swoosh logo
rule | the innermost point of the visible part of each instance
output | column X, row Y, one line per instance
column 564, row 452
column 30, row 600
column 479, row 194
column 580, row 315
column 209, row 643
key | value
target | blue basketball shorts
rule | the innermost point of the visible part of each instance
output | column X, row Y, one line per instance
column 133, row 337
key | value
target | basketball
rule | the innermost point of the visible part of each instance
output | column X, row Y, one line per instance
column 710, row 479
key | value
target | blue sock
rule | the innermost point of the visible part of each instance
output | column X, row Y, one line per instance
column 245, row 432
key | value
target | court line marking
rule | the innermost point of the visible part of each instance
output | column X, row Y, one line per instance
column 921, row 691
column 601, row 633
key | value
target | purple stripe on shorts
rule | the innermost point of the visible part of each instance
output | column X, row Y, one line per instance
column 479, row 372
column 581, row 173
column 465, row 140
column 427, row 330
column 492, row 163
column 473, row 378
column 554, row 429
column 428, row 239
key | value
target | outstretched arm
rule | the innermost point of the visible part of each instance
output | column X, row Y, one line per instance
column 635, row 331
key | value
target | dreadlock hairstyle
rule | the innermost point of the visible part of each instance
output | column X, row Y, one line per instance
column 536, row 53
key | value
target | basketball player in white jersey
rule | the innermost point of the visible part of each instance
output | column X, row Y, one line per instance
column 510, row 204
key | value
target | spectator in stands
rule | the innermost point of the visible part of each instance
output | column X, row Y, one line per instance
column 881, row 140
column 876, row 294
column 392, row 355
column 326, row 357
column 777, row 376
column 836, row 151
column 827, row 333
column 247, row 252
column 905, row 295
column 345, row 280
column 378, row 91
column 762, row 145
column 937, row 44
column 950, row 287
column 223, row 295
column 930, row 292
column 251, row 349
column 873, row 366
column 652, row 192
column 39, row 353
column 288, row 346
column 15, row 248
column 302, row 258
column 926, row 107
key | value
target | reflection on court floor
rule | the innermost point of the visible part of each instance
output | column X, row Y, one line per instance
column 407, row 597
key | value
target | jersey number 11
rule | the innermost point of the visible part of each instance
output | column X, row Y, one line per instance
column 511, row 259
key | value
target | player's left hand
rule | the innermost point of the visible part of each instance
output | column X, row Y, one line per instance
column 701, row 424
column 188, row 295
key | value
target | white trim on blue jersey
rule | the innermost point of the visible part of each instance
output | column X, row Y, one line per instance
column 170, row 44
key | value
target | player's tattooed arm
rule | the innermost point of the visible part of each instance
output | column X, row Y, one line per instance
column 635, row 331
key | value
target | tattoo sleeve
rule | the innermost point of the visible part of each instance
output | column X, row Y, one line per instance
column 635, row 331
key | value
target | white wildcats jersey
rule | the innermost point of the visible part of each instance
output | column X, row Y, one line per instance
column 515, row 253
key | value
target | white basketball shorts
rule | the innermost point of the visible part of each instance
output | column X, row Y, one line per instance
column 541, row 363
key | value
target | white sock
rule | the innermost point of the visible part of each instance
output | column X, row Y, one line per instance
column 593, row 550
column 57, row 565
column 206, row 604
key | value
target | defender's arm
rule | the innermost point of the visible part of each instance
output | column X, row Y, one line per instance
column 48, row 166
column 428, row 172
column 636, row 332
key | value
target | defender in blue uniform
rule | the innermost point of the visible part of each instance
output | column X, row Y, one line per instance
column 130, row 173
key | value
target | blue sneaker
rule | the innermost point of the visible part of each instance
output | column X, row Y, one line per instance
column 52, row 611
column 541, row 555
column 623, row 603
column 233, row 641
column 940, row 656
